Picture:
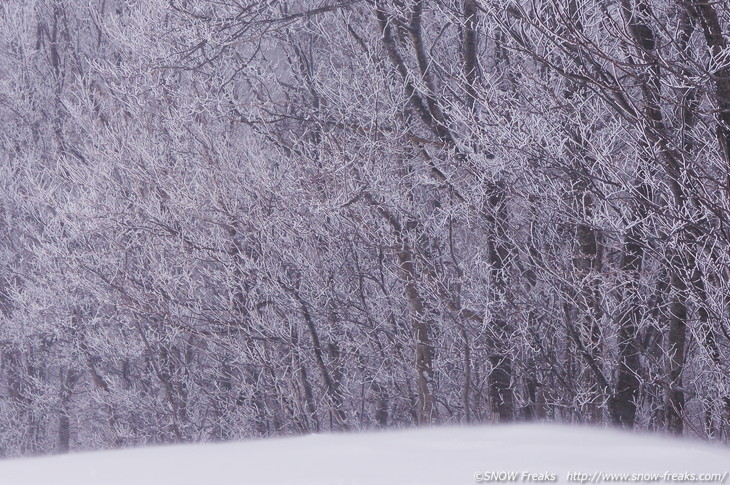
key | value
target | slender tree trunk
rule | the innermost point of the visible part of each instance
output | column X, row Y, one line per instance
column 676, row 342
column 623, row 402
column 500, row 379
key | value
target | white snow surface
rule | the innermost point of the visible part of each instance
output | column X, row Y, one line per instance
column 441, row 455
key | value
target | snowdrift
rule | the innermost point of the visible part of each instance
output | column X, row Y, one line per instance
column 443, row 456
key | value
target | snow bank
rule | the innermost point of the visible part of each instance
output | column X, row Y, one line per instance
column 443, row 456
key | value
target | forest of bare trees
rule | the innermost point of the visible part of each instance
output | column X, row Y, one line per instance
column 234, row 218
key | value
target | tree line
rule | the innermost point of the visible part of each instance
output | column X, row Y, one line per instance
column 237, row 218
